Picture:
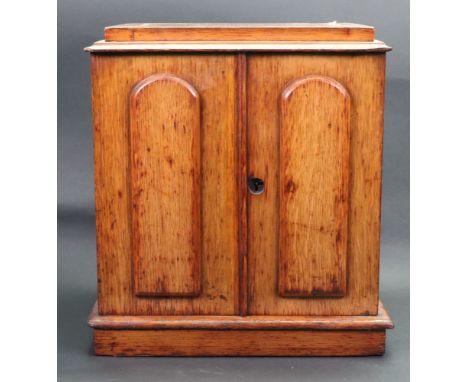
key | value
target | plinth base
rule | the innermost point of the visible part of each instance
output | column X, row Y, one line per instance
column 240, row 336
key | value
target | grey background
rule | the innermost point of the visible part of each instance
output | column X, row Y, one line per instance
column 79, row 24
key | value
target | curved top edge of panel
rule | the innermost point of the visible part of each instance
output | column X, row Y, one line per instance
column 163, row 77
column 298, row 82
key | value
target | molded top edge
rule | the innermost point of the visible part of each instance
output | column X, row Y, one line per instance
column 332, row 24
column 238, row 46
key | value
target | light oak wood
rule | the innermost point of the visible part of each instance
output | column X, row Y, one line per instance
column 239, row 32
column 238, row 46
column 238, row 343
column 313, row 187
column 165, row 176
column 242, row 183
column 379, row 322
column 363, row 77
column 189, row 262
column 214, row 78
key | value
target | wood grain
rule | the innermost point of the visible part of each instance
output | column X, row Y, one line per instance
column 379, row 322
column 238, row 343
column 214, row 78
column 313, row 187
column 242, row 181
column 363, row 76
column 165, row 177
column 239, row 32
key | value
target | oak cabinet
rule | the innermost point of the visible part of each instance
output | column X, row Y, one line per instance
column 237, row 183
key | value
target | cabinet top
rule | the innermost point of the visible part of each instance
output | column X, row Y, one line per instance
column 331, row 36
column 239, row 32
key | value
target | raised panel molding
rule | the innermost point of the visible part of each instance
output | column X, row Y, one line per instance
column 313, row 187
column 165, row 187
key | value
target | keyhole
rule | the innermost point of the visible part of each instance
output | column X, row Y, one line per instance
column 256, row 185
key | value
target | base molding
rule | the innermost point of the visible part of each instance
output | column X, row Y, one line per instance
column 240, row 336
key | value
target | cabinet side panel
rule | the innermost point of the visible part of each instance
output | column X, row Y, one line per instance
column 313, row 188
column 165, row 177
column 214, row 78
column 363, row 76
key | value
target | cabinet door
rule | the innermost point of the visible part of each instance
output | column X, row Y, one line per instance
column 314, row 137
column 166, row 183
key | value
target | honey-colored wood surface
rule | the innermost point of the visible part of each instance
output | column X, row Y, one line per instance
column 238, row 342
column 214, row 78
column 363, row 77
column 239, row 46
column 239, row 32
column 313, row 188
column 165, row 177
column 379, row 322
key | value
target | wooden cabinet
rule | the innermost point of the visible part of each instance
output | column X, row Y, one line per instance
column 238, row 180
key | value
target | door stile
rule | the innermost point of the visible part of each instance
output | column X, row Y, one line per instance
column 242, row 182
